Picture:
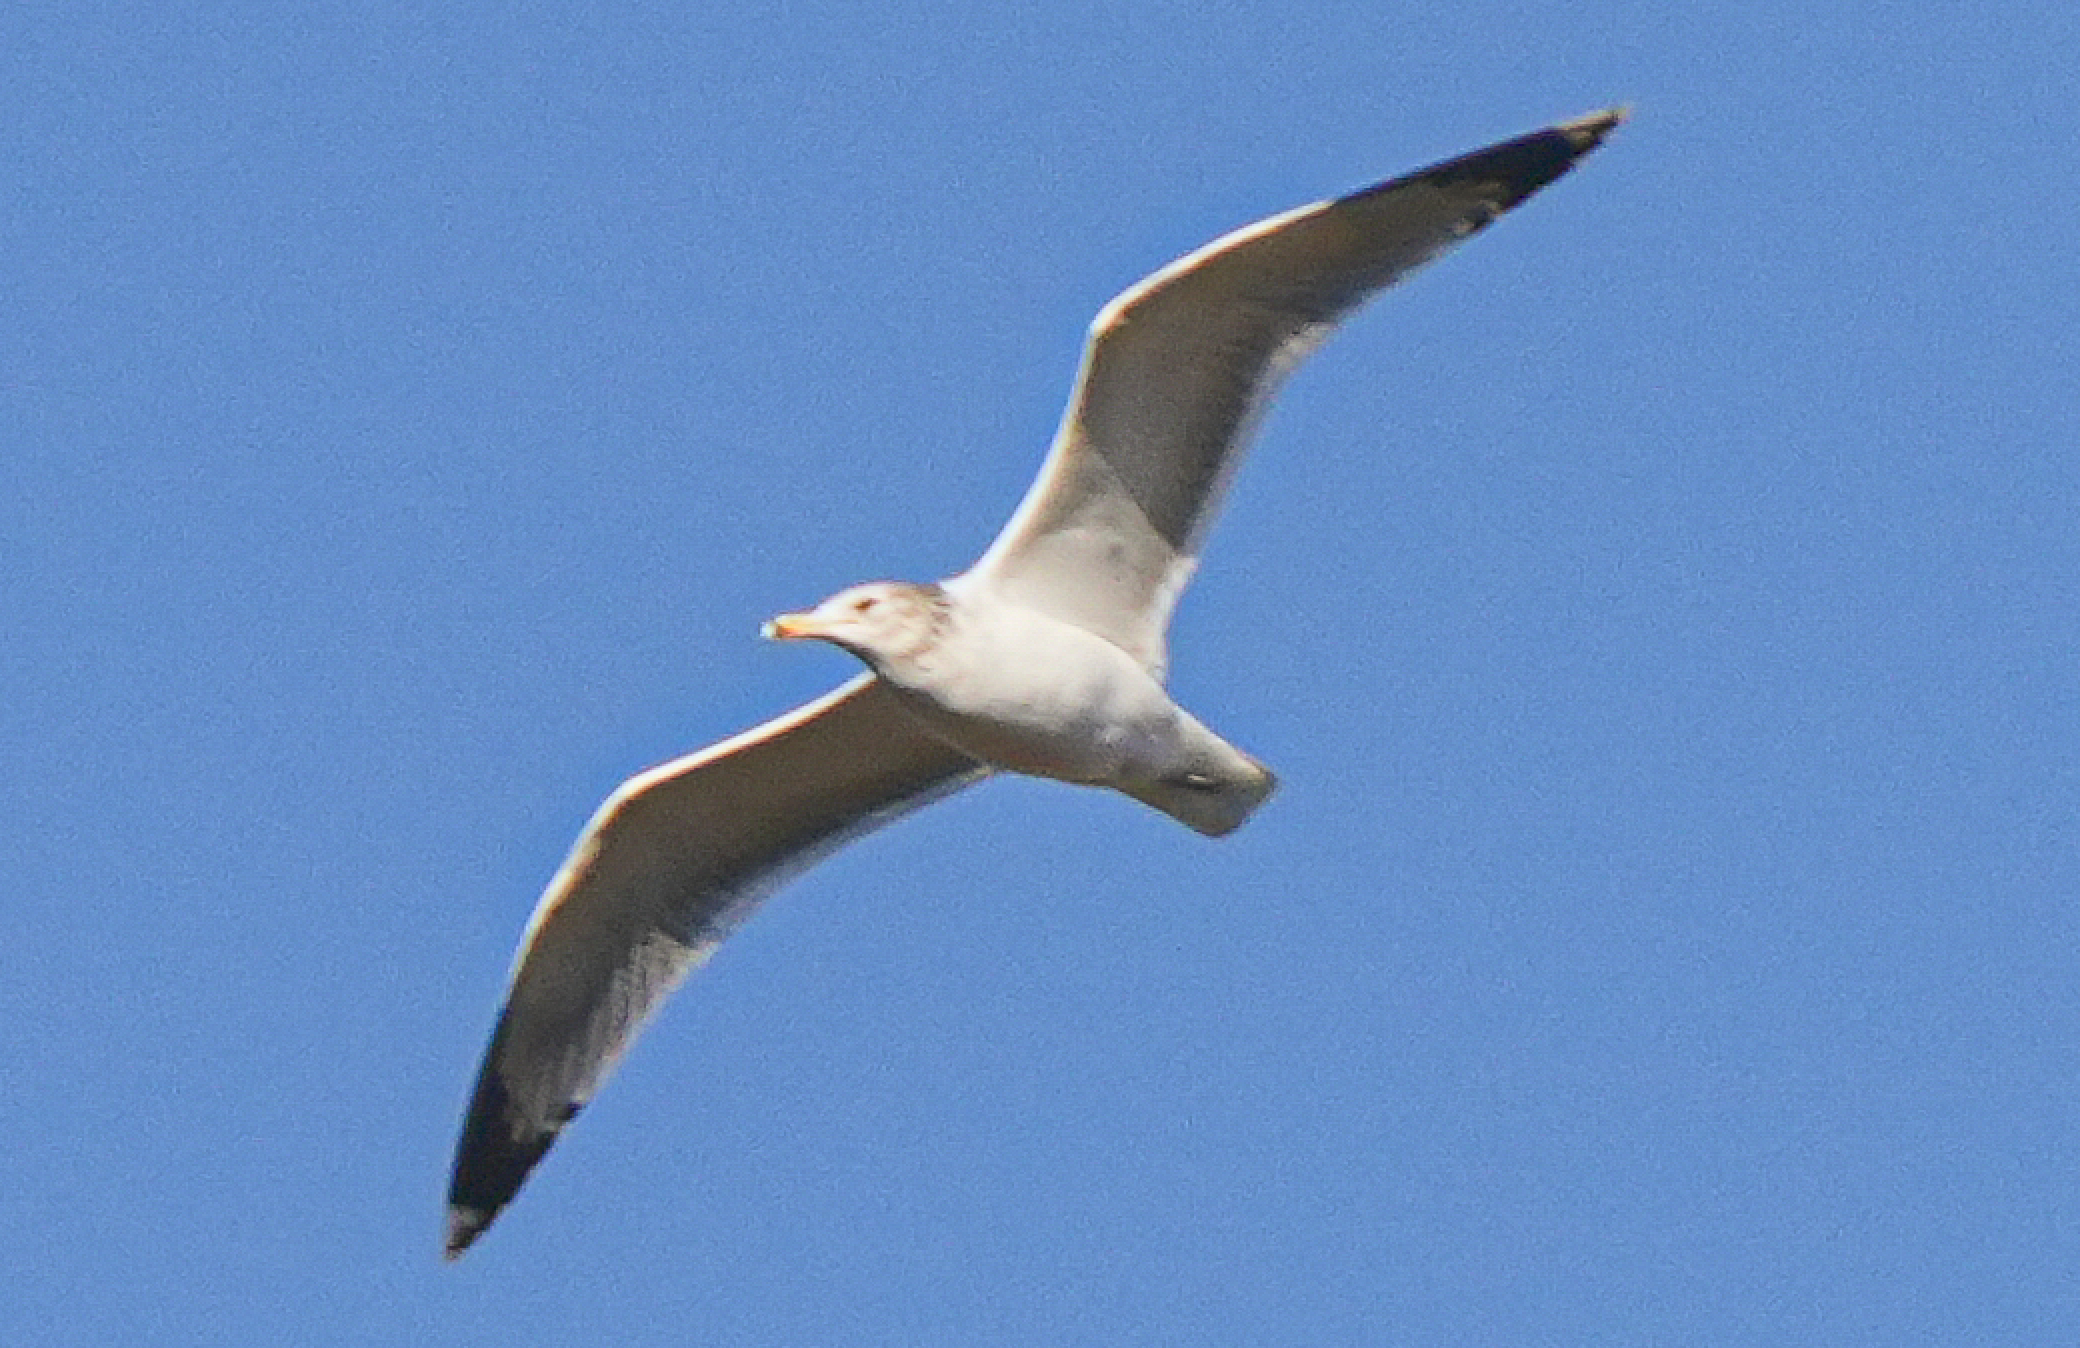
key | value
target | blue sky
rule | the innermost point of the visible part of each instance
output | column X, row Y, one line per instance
column 1661, row 614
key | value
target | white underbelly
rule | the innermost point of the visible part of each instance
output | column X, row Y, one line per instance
column 1096, row 752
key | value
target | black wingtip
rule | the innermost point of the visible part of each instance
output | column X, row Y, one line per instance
column 1515, row 169
column 497, row 1150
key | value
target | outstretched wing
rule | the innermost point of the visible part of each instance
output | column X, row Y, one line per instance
column 668, row 866
column 1180, row 367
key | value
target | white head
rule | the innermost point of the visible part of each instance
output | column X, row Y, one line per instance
column 884, row 622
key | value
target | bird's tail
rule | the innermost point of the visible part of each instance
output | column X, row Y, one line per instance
column 1213, row 802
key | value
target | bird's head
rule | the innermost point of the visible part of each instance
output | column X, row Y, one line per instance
column 882, row 622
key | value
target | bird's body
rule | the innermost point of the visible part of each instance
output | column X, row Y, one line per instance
column 1047, row 657
column 1019, row 690
column 1105, row 722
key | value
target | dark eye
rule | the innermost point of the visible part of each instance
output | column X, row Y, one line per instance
column 865, row 605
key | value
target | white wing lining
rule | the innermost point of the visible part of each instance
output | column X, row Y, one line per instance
column 669, row 865
column 1179, row 369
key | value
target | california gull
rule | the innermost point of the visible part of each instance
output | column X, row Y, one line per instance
column 1046, row 657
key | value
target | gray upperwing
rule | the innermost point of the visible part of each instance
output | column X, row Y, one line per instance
column 1180, row 367
column 673, row 860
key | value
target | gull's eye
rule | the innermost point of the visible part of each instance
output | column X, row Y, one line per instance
column 865, row 605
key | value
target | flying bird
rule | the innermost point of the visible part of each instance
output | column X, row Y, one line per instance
column 1046, row 657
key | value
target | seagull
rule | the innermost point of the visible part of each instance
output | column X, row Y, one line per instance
column 1046, row 657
